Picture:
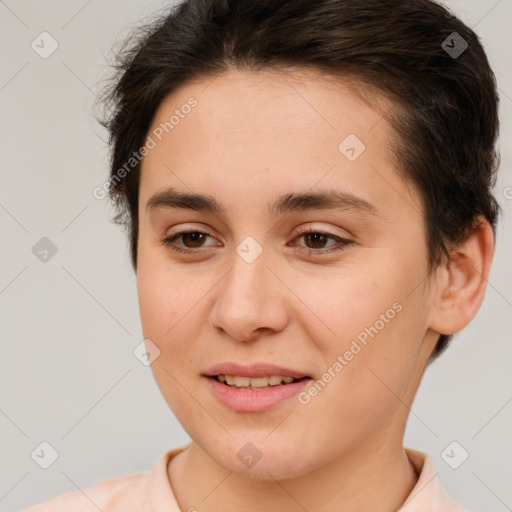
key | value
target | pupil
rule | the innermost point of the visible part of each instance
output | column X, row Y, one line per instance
column 317, row 238
column 195, row 237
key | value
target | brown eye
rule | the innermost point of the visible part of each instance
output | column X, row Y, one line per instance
column 193, row 239
column 318, row 240
column 315, row 242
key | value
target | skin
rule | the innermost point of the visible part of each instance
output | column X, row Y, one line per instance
column 253, row 137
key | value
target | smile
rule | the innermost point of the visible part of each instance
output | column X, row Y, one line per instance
column 240, row 382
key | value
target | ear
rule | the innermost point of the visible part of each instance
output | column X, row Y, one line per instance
column 461, row 281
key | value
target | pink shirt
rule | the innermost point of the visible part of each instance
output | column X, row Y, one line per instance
column 150, row 491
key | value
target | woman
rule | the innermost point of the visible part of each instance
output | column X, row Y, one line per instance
column 307, row 188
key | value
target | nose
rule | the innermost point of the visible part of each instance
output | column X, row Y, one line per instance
column 250, row 301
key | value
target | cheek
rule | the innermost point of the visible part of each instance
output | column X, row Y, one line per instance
column 166, row 307
column 167, row 314
column 164, row 293
column 363, row 385
column 349, row 305
column 375, row 323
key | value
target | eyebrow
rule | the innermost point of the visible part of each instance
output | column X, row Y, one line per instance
column 287, row 203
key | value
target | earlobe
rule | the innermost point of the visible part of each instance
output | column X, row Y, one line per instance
column 462, row 281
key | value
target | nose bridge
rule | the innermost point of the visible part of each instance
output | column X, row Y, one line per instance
column 247, row 298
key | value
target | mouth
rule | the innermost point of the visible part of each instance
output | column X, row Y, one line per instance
column 255, row 383
column 258, row 387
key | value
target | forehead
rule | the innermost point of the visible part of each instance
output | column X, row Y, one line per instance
column 265, row 132
column 286, row 100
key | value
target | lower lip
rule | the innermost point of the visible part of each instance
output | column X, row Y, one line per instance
column 257, row 400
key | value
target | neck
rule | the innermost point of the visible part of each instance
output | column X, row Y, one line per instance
column 377, row 477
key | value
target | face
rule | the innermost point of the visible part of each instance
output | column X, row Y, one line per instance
column 306, row 259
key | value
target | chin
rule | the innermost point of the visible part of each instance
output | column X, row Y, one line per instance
column 254, row 456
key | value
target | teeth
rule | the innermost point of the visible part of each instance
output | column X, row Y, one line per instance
column 274, row 380
column 256, row 382
column 242, row 381
column 259, row 382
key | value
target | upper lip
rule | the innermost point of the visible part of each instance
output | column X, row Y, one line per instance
column 253, row 370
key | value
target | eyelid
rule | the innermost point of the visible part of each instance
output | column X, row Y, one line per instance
column 309, row 228
column 184, row 228
column 169, row 239
column 341, row 241
column 340, row 245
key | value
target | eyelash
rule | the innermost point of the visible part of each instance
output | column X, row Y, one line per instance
column 342, row 242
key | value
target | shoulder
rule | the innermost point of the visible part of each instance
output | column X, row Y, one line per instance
column 125, row 493
column 136, row 492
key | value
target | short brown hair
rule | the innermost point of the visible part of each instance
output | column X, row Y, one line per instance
column 446, row 121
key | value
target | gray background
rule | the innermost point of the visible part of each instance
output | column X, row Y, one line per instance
column 69, row 325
